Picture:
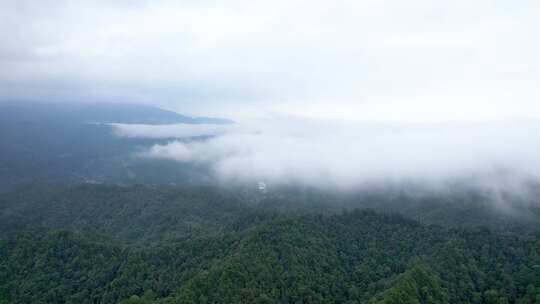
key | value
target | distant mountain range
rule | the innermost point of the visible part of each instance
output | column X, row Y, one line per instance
column 56, row 142
column 97, row 112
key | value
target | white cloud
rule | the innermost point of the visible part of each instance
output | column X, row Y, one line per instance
column 169, row 131
column 338, row 154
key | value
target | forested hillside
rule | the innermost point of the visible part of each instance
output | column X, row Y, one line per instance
column 269, row 152
column 74, row 143
column 110, row 244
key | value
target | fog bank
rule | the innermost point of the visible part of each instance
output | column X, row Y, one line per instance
column 288, row 150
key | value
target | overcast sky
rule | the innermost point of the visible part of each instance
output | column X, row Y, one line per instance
column 390, row 60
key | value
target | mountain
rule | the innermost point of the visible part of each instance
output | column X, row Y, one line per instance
column 60, row 143
column 84, row 219
column 140, row 244
column 96, row 113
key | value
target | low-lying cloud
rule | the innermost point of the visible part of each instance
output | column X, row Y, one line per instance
column 169, row 131
column 348, row 155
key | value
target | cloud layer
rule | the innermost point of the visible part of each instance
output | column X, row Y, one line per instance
column 169, row 131
column 418, row 60
column 349, row 155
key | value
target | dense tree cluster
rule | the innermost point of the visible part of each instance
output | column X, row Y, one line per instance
column 107, row 244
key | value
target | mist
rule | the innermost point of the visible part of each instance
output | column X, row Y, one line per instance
column 168, row 131
column 351, row 155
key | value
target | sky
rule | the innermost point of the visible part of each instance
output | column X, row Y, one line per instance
column 374, row 60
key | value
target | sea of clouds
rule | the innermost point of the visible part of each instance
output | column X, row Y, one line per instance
column 285, row 150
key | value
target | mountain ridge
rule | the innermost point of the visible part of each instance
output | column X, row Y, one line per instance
column 127, row 113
